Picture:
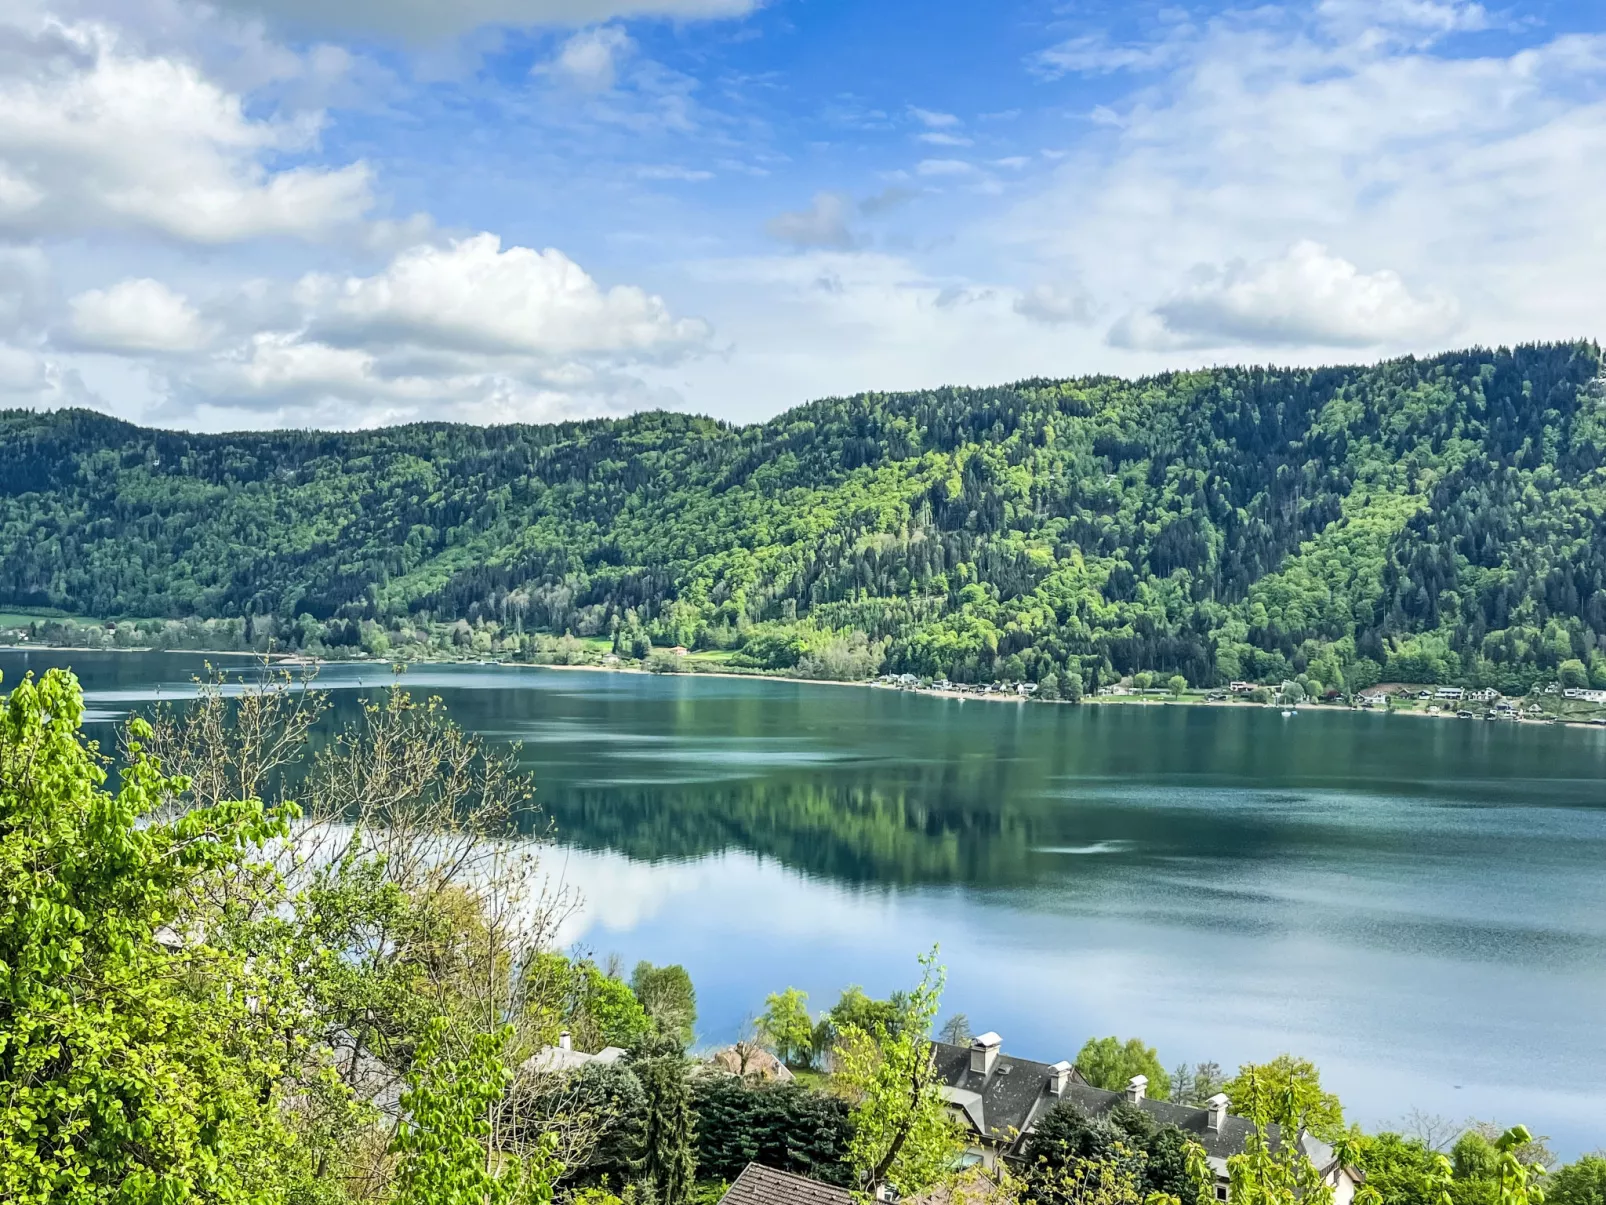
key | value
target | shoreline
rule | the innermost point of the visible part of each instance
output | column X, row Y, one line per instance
column 298, row 659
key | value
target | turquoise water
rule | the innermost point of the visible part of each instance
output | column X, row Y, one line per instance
column 1418, row 905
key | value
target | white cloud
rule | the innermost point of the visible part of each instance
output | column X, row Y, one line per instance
column 938, row 138
column 670, row 171
column 423, row 21
column 96, row 134
column 1425, row 177
column 467, row 330
column 1307, row 297
column 590, row 59
column 944, row 167
column 1054, row 305
column 1411, row 21
column 823, row 224
column 1095, row 54
column 933, row 119
column 472, row 296
column 136, row 315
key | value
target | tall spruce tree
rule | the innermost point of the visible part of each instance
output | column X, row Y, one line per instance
column 671, row 1159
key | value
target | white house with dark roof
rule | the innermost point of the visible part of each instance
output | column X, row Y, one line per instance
column 999, row 1099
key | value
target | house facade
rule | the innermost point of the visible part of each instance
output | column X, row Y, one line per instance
column 1000, row 1099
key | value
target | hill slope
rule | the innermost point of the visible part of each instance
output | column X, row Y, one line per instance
column 1424, row 519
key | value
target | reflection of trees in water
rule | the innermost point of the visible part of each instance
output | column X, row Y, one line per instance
column 871, row 786
column 907, row 834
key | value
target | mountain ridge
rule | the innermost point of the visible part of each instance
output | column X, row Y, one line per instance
column 1433, row 518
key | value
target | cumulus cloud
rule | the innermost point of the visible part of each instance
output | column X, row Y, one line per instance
column 425, row 21
column 472, row 296
column 823, row 224
column 468, row 329
column 136, row 315
column 590, row 59
column 1307, row 297
column 95, row 134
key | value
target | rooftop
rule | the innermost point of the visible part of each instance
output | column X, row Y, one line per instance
column 765, row 1186
column 1006, row 1102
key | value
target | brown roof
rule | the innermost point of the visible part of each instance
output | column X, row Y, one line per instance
column 765, row 1186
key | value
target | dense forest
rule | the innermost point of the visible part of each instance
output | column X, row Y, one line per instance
column 1422, row 520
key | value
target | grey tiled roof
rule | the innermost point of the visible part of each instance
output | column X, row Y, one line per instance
column 1002, row 1103
column 765, row 1186
column 1012, row 1099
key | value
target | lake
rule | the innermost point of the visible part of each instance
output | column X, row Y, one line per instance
column 1417, row 905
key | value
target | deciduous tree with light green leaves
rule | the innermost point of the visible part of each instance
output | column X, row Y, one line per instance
column 1273, row 1168
column 902, row 1133
column 444, row 1139
column 131, row 1049
column 1111, row 1063
column 787, row 1028
column 1294, row 1082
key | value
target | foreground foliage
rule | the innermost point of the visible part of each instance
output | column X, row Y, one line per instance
column 140, row 1062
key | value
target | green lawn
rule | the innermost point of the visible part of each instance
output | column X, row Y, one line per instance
column 21, row 617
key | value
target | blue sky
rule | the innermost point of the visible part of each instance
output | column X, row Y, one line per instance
column 353, row 212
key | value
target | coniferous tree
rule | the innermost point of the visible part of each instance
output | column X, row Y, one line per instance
column 670, row 1163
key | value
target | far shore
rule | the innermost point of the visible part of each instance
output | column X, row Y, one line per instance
column 294, row 659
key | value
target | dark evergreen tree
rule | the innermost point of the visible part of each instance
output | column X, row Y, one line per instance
column 669, row 1163
column 785, row 1126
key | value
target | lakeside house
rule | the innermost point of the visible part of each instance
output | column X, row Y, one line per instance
column 1000, row 1099
column 564, row 1057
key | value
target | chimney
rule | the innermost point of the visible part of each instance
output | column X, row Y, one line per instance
column 1059, row 1077
column 984, row 1053
column 1216, row 1112
column 886, row 1193
column 564, row 1041
column 1136, row 1088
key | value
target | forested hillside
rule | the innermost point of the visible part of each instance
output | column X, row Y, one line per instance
column 1420, row 519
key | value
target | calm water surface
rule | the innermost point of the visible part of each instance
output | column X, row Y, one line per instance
column 1418, row 905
